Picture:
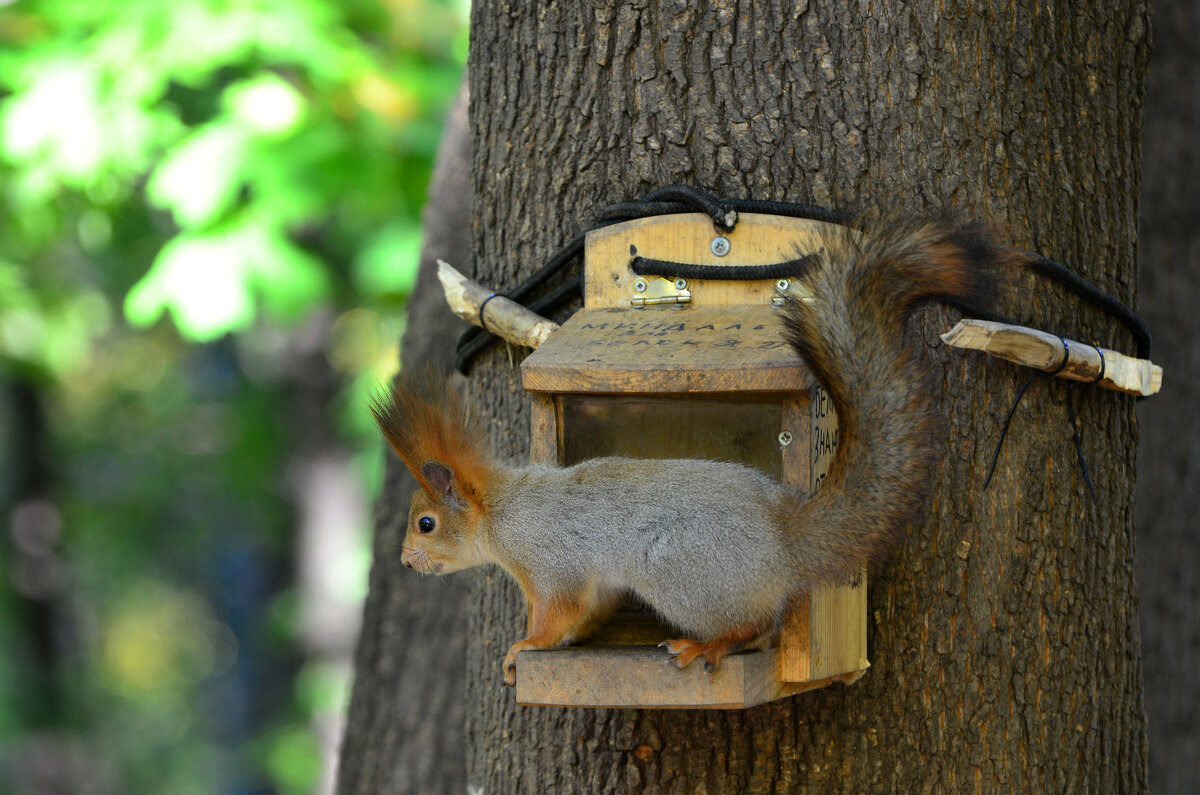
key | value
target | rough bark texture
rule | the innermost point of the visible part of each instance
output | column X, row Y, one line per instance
column 404, row 728
column 1169, row 465
column 1004, row 638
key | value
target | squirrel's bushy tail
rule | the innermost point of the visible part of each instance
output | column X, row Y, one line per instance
column 864, row 285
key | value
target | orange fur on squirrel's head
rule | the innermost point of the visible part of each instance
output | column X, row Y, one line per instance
column 425, row 419
column 426, row 422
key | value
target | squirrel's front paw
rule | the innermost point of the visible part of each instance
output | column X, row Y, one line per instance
column 510, row 666
column 510, row 673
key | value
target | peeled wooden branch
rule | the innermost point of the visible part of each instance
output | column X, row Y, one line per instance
column 502, row 317
column 1037, row 349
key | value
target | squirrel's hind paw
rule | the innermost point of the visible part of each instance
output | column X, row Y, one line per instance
column 684, row 651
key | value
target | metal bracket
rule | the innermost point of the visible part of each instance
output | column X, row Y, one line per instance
column 655, row 290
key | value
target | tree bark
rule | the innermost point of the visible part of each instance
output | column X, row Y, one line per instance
column 1167, row 499
column 1004, row 638
column 404, row 727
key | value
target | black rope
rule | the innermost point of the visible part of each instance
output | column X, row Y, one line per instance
column 793, row 268
column 1004, row 429
column 724, row 213
column 1075, row 434
column 1066, row 356
column 1099, row 377
column 482, row 321
column 1017, row 401
column 1087, row 476
column 1097, row 297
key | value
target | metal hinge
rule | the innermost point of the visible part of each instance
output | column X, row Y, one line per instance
column 655, row 290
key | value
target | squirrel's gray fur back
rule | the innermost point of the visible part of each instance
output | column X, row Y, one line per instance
column 698, row 560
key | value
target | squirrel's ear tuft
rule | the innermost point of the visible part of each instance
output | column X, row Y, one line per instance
column 441, row 479
column 425, row 420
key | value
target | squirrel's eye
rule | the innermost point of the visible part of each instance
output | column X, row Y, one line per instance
column 426, row 524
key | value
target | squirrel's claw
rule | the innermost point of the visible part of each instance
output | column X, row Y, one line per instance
column 510, row 670
column 683, row 651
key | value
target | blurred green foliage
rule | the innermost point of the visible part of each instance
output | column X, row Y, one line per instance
column 202, row 204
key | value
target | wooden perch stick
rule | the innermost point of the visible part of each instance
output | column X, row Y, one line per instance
column 1043, row 351
column 504, row 318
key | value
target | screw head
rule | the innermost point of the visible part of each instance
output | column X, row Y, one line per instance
column 681, row 284
column 720, row 245
column 782, row 284
column 640, row 285
column 785, row 438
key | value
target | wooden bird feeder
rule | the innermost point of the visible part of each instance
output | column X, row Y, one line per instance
column 666, row 367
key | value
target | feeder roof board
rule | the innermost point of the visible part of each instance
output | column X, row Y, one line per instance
column 676, row 349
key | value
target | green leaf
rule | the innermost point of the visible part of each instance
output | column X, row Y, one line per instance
column 201, row 279
column 266, row 104
column 211, row 282
column 56, row 118
column 199, row 179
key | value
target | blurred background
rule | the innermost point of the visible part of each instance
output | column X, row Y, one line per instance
column 209, row 225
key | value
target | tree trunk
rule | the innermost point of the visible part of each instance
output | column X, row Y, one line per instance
column 1004, row 638
column 1167, row 499
column 404, row 728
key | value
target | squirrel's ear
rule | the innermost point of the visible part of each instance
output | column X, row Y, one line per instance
column 441, row 479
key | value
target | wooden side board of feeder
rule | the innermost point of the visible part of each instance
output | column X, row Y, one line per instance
column 825, row 633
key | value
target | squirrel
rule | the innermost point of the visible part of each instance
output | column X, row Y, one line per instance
column 723, row 565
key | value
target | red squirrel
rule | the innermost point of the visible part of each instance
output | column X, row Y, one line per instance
column 723, row 565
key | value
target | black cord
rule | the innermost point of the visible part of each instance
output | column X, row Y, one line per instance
column 1087, row 476
column 472, row 347
column 724, row 212
column 1097, row 297
column 793, row 268
column 670, row 200
column 1066, row 356
column 1004, row 429
column 482, row 322
column 1017, row 401
column 1100, row 376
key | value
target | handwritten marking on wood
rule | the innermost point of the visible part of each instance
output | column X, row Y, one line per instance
column 691, row 349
